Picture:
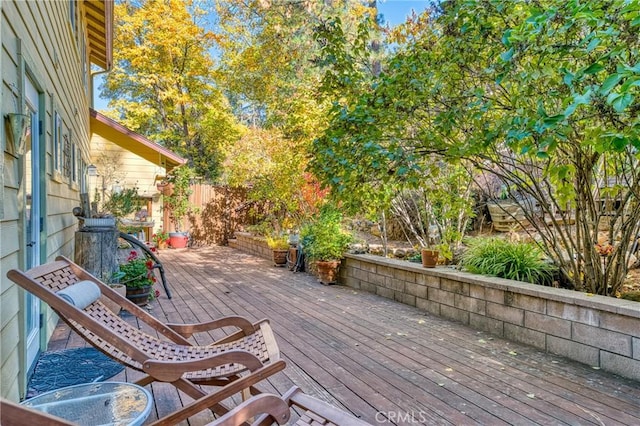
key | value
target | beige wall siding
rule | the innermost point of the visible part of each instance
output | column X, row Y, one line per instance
column 36, row 37
column 135, row 171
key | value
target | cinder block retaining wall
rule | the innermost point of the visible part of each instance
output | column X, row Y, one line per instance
column 595, row 330
column 248, row 243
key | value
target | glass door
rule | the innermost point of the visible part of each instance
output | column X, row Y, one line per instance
column 32, row 220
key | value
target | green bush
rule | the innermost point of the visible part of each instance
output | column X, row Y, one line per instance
column 324, row 238
column 631, row 295
column 511, row 260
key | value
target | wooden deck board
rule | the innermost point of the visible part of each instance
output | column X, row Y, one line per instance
column 378, row 358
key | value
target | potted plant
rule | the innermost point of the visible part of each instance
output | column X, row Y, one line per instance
column 123, row 203
column 178, row 204
column 138, row 277
column 160, row 239
column 324, row 243
column 279, row 244
column 430, row 257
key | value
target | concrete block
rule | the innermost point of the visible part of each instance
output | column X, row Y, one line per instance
column 529, row 303
column 636, row 348
column 411, row 288
column 574, row 313
column 416, row 290
column 369, row 267
column 361, row 274
column 385, row 292
column 494, row 295
column 573, row 350
column 454, row 286
column 408, row 276
column 371, row 288
column 454, row 314
column 621, row 365
column 505, row 313
column 385, row 270
column 484, row 323
column 429, row 306
column 546, row 324
column 470, row 304
column 353, row 263
column 350, row 282
column 477, row 291
column 396, row 284
column 422, row 291
column 376, row 279
column 604, row 339
column 620, row 323
column 524, row 335
column 405, row 298
column 428, row 280
column 440, row 296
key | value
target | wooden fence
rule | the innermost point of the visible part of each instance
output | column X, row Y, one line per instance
column 220, row 210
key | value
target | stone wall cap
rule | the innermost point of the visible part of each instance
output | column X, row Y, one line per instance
column 604, row 303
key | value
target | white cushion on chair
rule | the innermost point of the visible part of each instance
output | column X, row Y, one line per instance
column 81, row 294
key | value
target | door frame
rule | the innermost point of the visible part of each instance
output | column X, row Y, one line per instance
column 39, row 166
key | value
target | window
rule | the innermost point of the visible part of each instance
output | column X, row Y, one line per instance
column 85, row 68
column 72, row 15
column 74, row 163
column 82, row 174
column 57, row 142
column 66, row 155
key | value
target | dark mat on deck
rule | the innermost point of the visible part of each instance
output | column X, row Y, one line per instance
column 58, row 369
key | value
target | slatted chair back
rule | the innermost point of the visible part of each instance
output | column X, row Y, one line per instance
column 121, row 340
column 13, row 414
column 267, row 409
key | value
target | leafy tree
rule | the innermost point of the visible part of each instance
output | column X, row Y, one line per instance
column 162, row 84
column 273, row 168
column 542, row 94
column 270, row 66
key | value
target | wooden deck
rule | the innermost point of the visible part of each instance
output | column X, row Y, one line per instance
column 384, row 361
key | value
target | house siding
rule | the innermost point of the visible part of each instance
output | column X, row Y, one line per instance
column 36, row 37
column 135, row 171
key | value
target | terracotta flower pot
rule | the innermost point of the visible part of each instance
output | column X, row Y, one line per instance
column 328, row 271
column 280, row 257
column 178, row 239
column 165, row 188
column 430, row 258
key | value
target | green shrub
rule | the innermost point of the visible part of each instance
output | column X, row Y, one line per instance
column 277, row 242
column 631, row 295
column 324, row 238
column 511, row 260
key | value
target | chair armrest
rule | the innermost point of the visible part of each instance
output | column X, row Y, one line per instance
column 187, row 330
column 268, row 404
column 170, row 371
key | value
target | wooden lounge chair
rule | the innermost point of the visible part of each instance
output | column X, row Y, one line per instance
column 236, row 362
column 265, row 408
column 12, row 414
column 268, row 409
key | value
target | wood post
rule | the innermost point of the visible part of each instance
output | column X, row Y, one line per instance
column 96, row 251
